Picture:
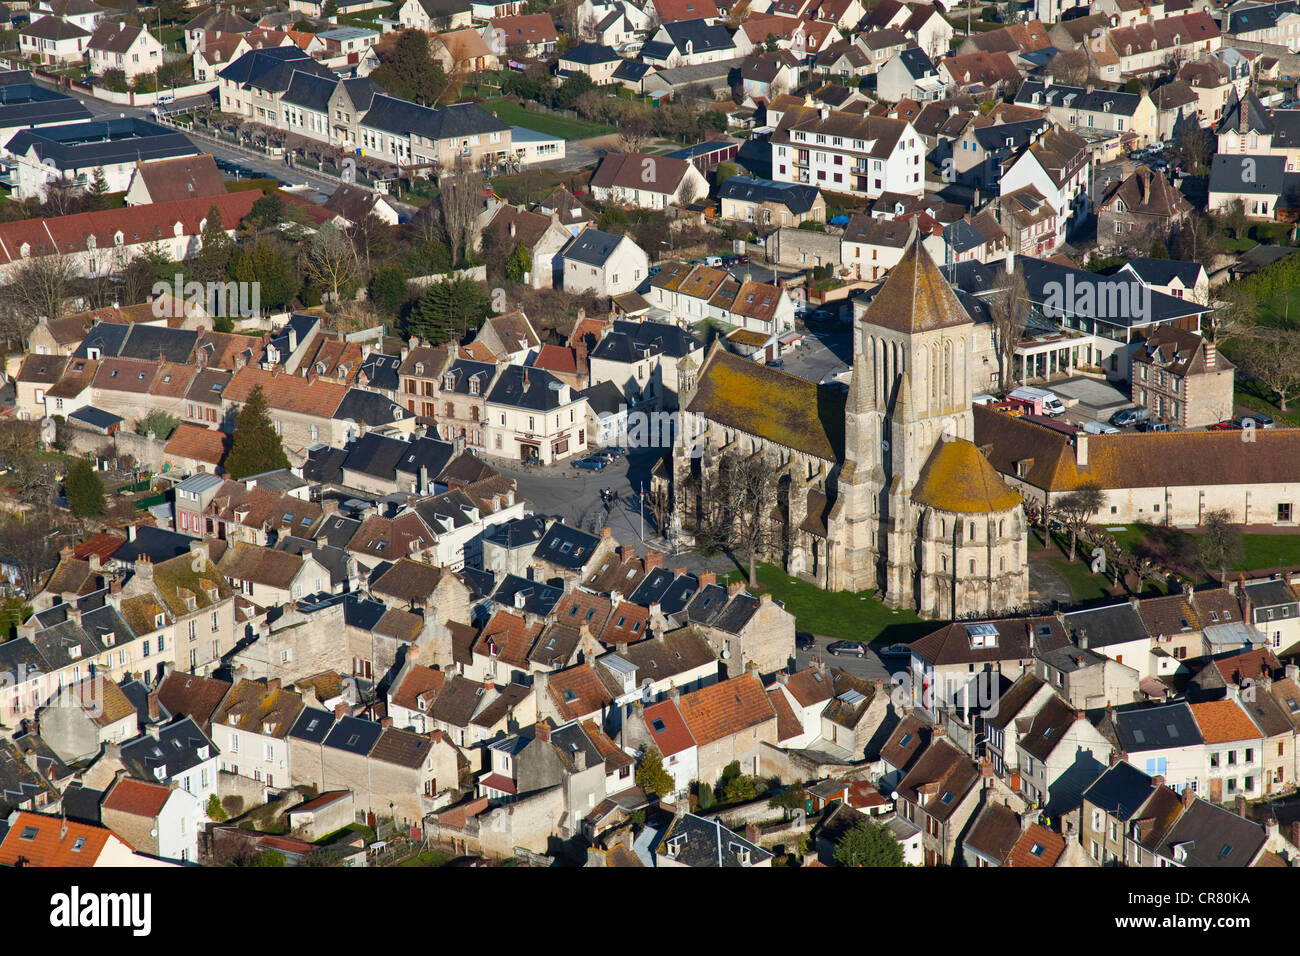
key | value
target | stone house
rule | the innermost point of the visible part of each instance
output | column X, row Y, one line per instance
column 82, row 717
column 939, row 795
column 251, row 730
column 1137, row 210
column 154, row 819
column 729, row 721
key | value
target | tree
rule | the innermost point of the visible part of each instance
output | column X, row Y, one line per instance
column 1077, row 508
column 740, row 789
column 1270, row 356
column 1234, row 314
column 1197, row 145
column 266, row 213
column 739, row 511
column 790, row 798
column 213, row 261
column 215, row 812
column 158, row 422
column 389, row 289
column 725, row 171
column 869, row 844
column 651, row 775
column 706, row 797
column 635, row 130
column 457, row 208
column 1009, row 310
column 1235, row 219
column 331, row 9
column 1221, row 543
column 1069, row 67
column 42, row 286
column 448, row 310
column 519, row 264
column 84, row 489
column 331, row 262
column 268, row 264
column 255, row 447
column 28, row 545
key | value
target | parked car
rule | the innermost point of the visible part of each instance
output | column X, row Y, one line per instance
column 1261, row 420
column 1150, row 426
column 612, row 453
column 804, row 641
column 896, row 650
column 1127, row 417
column 1226, row 426
column 592, row 463
column 776, row 363
column 850, row 648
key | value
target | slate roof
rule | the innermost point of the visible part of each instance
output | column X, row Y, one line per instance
column 79, row 146
column 591, row 247
column 563, row 546
column 520, row 387
column 176, row 750
column 1166, row 726
column 1213, row 837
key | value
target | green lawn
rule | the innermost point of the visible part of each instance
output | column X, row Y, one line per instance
column 428, row 858
column 843, row 615
column 547, row 123
column 1283, row 310
column 1259, row 551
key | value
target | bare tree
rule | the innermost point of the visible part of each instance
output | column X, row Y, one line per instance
column 635, row 130
column 1234, row 314
column 739, row 509
column 459, row 203
column 1069, row 67
column 1009, row 309
column 331, row 261
column 1221, row 543
column 1272, row 356
column 41, row 287
column 1076, row 510
column 28, row 545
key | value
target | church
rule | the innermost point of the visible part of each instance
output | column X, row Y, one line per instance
column 881, row 488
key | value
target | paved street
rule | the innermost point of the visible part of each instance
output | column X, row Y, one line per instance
column 871, row 667
column 821, row 354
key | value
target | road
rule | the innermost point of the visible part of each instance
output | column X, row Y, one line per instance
column 271, row 166
column 871, row 667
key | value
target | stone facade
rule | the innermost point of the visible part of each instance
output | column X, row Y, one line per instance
column 889, row 492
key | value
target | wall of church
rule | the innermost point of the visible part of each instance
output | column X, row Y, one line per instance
column 972, row 564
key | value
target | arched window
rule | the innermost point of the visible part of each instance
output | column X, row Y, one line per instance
column 1002, row 564
column 971, row 530
column 1001, row 524
column 943, row 527
column 943, row 562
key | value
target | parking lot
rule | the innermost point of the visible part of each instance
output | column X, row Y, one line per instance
column 870, row 667
column 823, row 353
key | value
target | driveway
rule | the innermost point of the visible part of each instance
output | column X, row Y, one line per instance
column 870, row 667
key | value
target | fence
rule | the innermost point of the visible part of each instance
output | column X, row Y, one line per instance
column 150, row 99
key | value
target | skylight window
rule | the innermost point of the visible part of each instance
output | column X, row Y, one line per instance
column 29, row 833
column 1036, row 850
column 352, row 741
column 907, row 739
column 658, row 725
column 947, row 797
column 570, row 696
column 77, row 844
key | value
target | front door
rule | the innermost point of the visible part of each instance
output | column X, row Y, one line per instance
column 1216, row 791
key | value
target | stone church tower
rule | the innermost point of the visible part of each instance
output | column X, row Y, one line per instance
column 945, row 533
column 881, row 488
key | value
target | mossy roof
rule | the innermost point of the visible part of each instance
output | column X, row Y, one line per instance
column 958, row 478
column 774, row 405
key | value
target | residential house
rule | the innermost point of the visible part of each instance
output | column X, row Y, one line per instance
column 939, row 794
column 180, row 753
column 694, row 841
column 646, row 181
column 251, row 730
column 729, row 722
column 82, row 717
column 1182, row 378
column 909, row 75
column 151, row 818
column 116, row 46
column 1140, row 210
column 605, row 264
column 1164, row 740
column 649, row 362
column 594, row 59
column 844, row 152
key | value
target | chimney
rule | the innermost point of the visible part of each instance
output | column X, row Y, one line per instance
column 734, row 588
column 1293, row 672
column 580, row 759
column 606, row 532
column 154, row 712
column 93, row 561
column 1295, row 833
column 1239, row 806
column 1082, row 637
column 674, row 694
column 542, row 731
column 1158, row 780
column 1211, row 354
column 654, row 559
column 386, row 722
column 272, row 685
column 330, row 506
column 1188, row 797
column 751, row 669
column 341, row 710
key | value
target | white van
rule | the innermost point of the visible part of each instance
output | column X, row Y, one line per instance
column 1099, row 428
column 1044, row 402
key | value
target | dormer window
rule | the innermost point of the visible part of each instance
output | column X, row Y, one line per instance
column 159, row 620
column 473, row 385
column 449, row 381
column 74, row 652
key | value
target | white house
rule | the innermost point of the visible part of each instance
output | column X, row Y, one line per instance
column 646, row 181
column 848, row 153
column 1056, row 164
column 595, row 261
column 116, row 46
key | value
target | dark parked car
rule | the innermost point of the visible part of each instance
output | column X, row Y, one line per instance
column 593, row 463
column 776, row 363
column 803, row 640
column 1129, row 416
column 896, row 650
column 850, row 648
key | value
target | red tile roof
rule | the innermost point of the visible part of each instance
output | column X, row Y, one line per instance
column 1223, row 721
column 137, row 224
column 675, row 736
column 137, row 797
column 725, row 708
column 787, row 725
column 290, row 393
column 52, row 842
column 1052, row 847
column 103, row 544
column 198, row 444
